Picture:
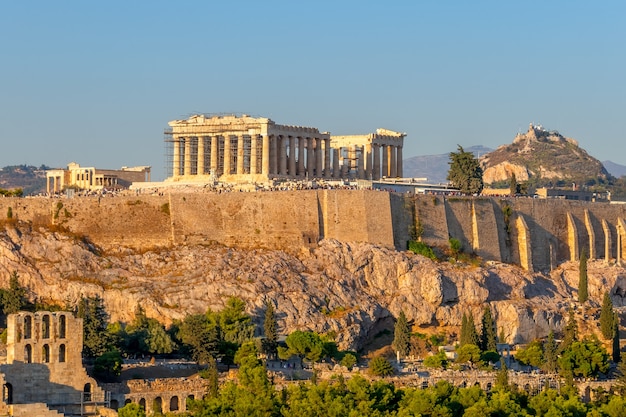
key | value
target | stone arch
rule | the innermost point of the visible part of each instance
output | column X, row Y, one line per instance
column 157, row 405
column 127, row 401
column 45, row 353
column 488, row 387
column 62, row 326
column 28, row 327
column 115, row 405
column 45, row 327
column 87, row 392
column 527, row 388
column 7, row 393
column 174, row 403
column 28, row 354
column 142, row 403
column 62, row 353
column 191, row 397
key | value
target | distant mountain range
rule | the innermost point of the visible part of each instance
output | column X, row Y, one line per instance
column 435, row 167
column 614, row 169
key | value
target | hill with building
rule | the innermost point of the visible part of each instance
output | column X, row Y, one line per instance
column 542, row 157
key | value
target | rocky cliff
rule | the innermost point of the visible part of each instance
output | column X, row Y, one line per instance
column 353, row 289
column 541, row 154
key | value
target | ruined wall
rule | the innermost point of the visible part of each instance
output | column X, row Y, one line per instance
column 553, row 230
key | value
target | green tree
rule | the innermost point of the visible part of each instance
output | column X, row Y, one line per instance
column 200, row 336
column 468, row 353
column 514, row 187
column 607, row 317
column 307, row 345
column 212, row 375
column 586, row 358
column 550, row 352
column 348, row 360
column 439, row 361
column 570, row 334
column 96, row 339
column 235, row 325
column 14, row 298
column 583, row 290
column 465, row 172
column 380, row 366
column 402, row 335
column 108, row 366
column 531, row 355
column 131, row 410
column 488, row 331
column 469, row 335
column 502, row 378
column 270, row 342
column 616, row 353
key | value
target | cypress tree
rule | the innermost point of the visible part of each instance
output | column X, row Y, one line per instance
column 607, row 317
column 616, row 356
column 513, row 187
column 463, row 338
column 270, row 343
column 502, row 377
column 488, row 331
column 472, row 333
column 583, row 290
column 570, row 334
column 402, row 335
column 550, row 354
column 469, row 335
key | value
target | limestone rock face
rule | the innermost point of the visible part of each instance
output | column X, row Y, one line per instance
column 352, row 289
column 504, row 171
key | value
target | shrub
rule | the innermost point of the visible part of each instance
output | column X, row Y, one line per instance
column 349, row 360
column 380, row 366
column 423, row 249
column 455, row 246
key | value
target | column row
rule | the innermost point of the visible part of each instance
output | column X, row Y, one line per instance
column 285, row 156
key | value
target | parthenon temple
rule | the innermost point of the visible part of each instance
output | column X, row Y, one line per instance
column 247, row 149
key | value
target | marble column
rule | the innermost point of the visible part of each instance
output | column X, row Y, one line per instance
column 376, row 164
column 399, row 162
column 273, row 153
column 265, row 156
column 327, row 158
column 227, row 151
column 283, row 155
column 385, row 153
column 214, row 153
column 319, row 158
column 393, row 167
column 310, row 158
column 200, row 165
column 301, row 146
column 367, row 150
column 253, row 154
column 336, row 171
column 176, row 162
column 292, row 156
column 360, row 167
column 187, row 156
column 240, row 155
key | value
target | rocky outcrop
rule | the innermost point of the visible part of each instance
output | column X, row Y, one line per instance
column 352, row 289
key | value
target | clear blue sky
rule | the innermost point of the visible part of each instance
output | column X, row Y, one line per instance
column 97, row 82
